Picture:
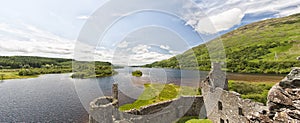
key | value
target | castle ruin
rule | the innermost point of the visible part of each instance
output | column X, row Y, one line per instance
column 216, row 103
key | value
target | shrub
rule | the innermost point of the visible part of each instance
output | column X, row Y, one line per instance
column 78, row 75
column 254, row 91
column 27, row 72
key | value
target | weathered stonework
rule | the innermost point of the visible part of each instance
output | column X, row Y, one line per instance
column 101, row 110
column 105, row 110
column 224, row 106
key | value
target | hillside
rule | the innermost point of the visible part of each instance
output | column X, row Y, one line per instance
column 269, row 46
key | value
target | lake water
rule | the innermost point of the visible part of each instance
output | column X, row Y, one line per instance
column 58, row 98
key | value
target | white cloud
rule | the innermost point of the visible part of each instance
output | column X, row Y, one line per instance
column 137, row 55
column 140, row 49
column 220, row 22
column 83, row 17
column 225, row 14
column 227, row 19
column 23, row 39
column 28, row 40
column 166, row 47
column 123, row 44
column 289, row 11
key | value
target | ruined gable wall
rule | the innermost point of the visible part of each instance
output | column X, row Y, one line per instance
column 225, row 106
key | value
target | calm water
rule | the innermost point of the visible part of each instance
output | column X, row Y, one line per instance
column 58, row 98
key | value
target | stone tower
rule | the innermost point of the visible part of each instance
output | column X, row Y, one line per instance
column 115, row 92
column 217, row 77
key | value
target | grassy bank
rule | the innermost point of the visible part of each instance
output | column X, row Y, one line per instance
column 256, row 91
column 29, row 73
column 13, row 74
column 154, row 93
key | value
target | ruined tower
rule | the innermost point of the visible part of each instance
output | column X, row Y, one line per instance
column 115, row 92
column 217, row 77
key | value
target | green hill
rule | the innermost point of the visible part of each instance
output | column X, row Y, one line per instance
column 269, row 46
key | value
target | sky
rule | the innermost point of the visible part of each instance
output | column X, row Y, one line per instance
column 52, row 28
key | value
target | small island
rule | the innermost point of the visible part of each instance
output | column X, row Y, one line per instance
column 100, row 71
column 83, row 70
column 137, row 73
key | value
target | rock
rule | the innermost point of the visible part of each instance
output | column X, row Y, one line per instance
column 295, row 114
column 284, row 98
column 260, row 117
column 283, row 101
column 277, row 96
column 296, row 82
column 281, row 117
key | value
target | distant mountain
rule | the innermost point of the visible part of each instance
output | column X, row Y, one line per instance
column 269, row 46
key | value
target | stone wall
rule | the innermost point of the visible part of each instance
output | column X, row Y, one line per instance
column 105, row 110
column 228, row 107
column 283, row 101
column 102, row 110
column 223, row 106
column 168, row 111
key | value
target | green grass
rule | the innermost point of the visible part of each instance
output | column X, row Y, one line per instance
column 256, row 91
column 193, row 119
column 199, row 121
column 154, row 93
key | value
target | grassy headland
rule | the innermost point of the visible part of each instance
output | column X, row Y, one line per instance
column 269, row 46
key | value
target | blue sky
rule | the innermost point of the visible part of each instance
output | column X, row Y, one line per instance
column 51, row 27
